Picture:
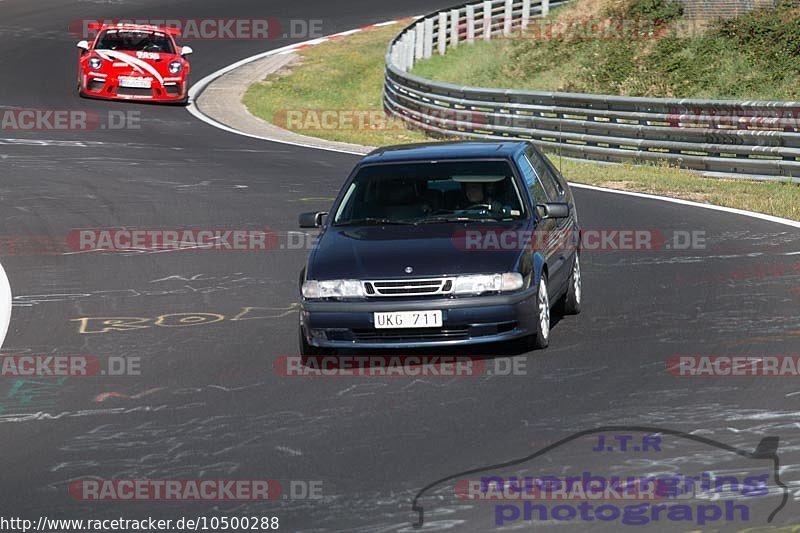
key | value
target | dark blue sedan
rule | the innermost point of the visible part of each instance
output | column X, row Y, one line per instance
column 442, row 244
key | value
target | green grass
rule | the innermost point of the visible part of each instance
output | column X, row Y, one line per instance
column 340, row 75
column 754, row 56
column 348, row 74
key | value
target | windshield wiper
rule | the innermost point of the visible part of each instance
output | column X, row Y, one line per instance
column 457, row 218
column 437, row 220
column 372, row 221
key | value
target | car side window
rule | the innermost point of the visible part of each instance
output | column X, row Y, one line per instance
column 551, row 185
column 532, row 181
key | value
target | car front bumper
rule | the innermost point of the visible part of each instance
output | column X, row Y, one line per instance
column 465, row 321
column 108, row 88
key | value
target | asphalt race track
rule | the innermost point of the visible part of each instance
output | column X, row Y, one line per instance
column 209, row 405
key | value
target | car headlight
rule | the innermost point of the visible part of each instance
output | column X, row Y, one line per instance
column 336, row 288
column 175, row 67
column 95, row 63
column 480, row 283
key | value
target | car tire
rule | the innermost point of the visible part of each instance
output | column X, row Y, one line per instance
column 541, row 337
column 571, row 304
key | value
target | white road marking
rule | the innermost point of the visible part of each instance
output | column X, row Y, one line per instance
column 5, row 304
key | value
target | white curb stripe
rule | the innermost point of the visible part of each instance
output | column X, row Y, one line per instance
column 752, row 214
column 5, row 304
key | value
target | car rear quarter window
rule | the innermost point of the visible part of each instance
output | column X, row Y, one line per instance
column 548, row 179
column 532, row 181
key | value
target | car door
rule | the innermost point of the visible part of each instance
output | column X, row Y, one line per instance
column 563, row 227
column 545, row 234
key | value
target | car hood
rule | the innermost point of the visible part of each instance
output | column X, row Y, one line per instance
column 380, row 252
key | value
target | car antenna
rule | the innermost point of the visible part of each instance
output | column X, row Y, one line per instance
column 560, row 140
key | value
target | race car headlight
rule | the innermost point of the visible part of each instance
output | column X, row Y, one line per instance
column 95, row 63
column 480, row 283
column 175, row 67
column 335, row 288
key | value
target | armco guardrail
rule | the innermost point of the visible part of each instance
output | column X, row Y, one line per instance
column 748, row 138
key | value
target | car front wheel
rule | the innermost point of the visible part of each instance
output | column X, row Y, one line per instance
column 572, row 299
column 541, row 337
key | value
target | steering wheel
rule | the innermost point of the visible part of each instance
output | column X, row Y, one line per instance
column 152, row 48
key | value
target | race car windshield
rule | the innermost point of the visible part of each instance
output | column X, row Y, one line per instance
column 135, row 41
column 431, row 193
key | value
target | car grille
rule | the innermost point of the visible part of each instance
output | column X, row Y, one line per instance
column 410, row 335
column 409, row 287
column 173, row 89
column 96, row 85
column 134, row 91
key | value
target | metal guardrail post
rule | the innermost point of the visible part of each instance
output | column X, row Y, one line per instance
column 470, row 24
column 410, row 49
column 420, row 40
column 507, row 17
column 427, row 48
column 442, row 36
column 454, row 27
column 526, row 13
column 487, row 20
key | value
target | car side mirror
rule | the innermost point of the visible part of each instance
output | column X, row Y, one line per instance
column 83, row 45
column 311, row 220
column 186, row 50
column 553, row 210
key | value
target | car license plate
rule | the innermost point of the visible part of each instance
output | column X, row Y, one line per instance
column 135, row 83
column 408, row 319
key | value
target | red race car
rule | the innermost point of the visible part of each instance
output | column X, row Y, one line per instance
column 134, row 62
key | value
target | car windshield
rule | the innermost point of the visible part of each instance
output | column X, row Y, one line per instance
column 430, row 193
column 135, row 41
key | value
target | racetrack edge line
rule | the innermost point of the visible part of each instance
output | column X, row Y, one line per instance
column 5, row 304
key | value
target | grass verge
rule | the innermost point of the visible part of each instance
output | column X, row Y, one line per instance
column 347, row 75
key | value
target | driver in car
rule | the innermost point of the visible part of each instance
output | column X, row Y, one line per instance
column 476, row 196
column 473, row 191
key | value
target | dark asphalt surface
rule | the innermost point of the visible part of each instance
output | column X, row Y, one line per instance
column 207, row 403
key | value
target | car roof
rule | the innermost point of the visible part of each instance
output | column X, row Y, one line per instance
column 444, row 150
